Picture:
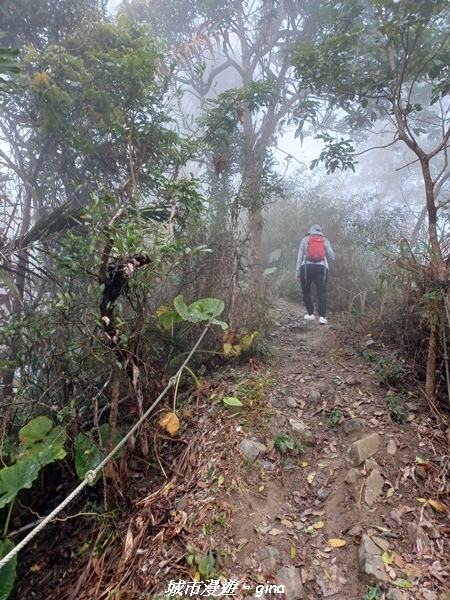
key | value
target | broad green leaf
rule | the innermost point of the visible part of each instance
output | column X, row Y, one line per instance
column 35, row 430
column 87, row 455
column 41, row 442
column 183, row 310
column 270, row 270
column 168, row 317
column 15, row 478
column 205, row 309
column 231, row 401
column 87, row 452
column 8, row 571
column 274, row 256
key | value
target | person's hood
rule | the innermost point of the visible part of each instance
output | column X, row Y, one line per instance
column 315, row 230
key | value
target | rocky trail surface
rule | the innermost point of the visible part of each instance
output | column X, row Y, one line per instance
column 358, row 514
column 312, row 484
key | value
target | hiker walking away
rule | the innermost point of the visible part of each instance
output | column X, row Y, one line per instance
column 312, row 266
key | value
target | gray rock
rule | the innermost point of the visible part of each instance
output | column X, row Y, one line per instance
column 302, row 432
column 397, row 595
column 371, row 465
column 381, row 542
column 392, row 450
column 371, row 565
column 374, row 488
column 251, row 450
column 421, row 472
column 314, row 397
column 291, row 402
column 429, row 595
column 355, row 530
column 181, row 503
column 268, row 465
column 362, row 449
column 291, row 579
column 353, row 476
column 430, row 530
column 375, row 482
column 273, row 402
column 354, row 425
column 268, row 557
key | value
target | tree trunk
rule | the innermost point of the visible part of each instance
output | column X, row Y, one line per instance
column 256, row 268
column 439, row 273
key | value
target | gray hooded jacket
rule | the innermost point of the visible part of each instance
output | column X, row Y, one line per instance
column 329, row 253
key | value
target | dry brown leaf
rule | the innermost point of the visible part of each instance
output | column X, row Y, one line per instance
column 169, row 422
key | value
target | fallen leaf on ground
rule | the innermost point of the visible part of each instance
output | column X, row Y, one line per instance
column 436, row 505
column 318, row 525
column 403, row 583
column 336, row 543
column 311, row 477
column 169, row 422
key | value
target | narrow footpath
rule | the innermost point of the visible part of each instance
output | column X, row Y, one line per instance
column 360, row 511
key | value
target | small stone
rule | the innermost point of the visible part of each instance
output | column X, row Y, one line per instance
column 421, row 472
column 429, row 595
column 303, row 433
column 353, row 425
column 291, row 402
column 251, row 450
column 355, row 530
column 314, row 396
column 273, row 402
column 362, row 449
column 431, row 530
column 397, row 595
column 322, row 494
column 371, row 465
column 181, row 503
column 268, row 465
column 268, row 557
column 291, row 579
column 353, row 476
column 392, row 450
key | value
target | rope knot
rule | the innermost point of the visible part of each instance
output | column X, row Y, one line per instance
column 90, row 477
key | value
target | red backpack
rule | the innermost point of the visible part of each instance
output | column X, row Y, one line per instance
column 316, row 248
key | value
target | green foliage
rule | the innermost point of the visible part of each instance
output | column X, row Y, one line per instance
column 8, row 67
column 205, row 562
column 390, row 370
column 334, row 418
column 88, row 454
column 373, row 593
column 373, row 63
column 398, row 413
column 205, row 309
column 231, row 401
column 284, row 443
column 8, row 571
column 41, row 444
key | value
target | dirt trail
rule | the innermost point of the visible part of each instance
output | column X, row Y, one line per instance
column 234, row 507
column 329, row 398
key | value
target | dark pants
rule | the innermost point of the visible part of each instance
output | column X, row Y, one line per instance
column 318, row 274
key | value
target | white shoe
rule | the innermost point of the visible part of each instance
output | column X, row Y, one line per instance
column 322, row 320
column 309, row 317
